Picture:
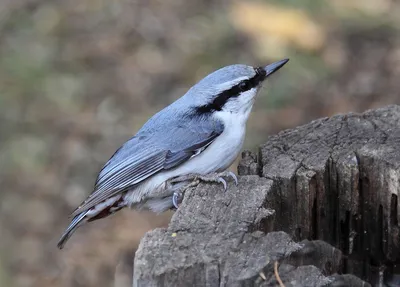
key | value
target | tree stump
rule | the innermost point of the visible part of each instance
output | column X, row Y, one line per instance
column 320, row 199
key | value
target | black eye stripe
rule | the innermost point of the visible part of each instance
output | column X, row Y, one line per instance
column 234, row 91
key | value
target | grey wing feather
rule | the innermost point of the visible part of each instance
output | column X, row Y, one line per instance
column 144, row 155
column 175, row 158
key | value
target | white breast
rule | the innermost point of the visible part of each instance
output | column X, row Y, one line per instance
column 221, row 153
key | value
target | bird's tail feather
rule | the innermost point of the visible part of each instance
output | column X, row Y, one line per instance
column 75, row 223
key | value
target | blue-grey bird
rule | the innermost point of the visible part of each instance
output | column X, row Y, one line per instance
column 194, row 139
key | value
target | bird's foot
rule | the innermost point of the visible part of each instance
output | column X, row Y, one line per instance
column 196, row 179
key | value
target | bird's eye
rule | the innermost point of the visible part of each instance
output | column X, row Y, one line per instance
column 244, row 86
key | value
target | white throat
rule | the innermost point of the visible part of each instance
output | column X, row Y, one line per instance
column 237, row 109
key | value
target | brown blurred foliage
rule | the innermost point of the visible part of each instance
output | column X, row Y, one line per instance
column 78, row 78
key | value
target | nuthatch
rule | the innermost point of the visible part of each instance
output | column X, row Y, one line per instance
column 194, row 139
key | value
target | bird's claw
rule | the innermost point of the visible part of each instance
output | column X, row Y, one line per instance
column 223, row 181
column 178, row 194
column 233, row 176
column 175, row 198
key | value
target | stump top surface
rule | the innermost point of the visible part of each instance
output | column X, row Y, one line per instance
column 339, row 138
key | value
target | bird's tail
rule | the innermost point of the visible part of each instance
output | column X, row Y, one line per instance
column 75, row 223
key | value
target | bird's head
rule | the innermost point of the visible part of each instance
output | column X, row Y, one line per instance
column 230, row 89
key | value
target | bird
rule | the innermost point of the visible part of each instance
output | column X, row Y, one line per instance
column 196, row 138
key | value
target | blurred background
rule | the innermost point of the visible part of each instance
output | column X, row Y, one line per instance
column 78, row 78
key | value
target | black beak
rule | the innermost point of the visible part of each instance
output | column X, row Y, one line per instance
column 272, row 68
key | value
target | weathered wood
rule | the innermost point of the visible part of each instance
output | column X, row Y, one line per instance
column 212, row 237
column 335, row 179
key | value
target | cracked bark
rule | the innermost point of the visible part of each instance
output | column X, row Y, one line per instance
column 331, row 185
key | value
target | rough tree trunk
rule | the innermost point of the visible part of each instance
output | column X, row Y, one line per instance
column 321, row 199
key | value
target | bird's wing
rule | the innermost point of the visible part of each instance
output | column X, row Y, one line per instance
column 146, row 154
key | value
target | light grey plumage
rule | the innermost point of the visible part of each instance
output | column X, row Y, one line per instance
column 200, row 133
